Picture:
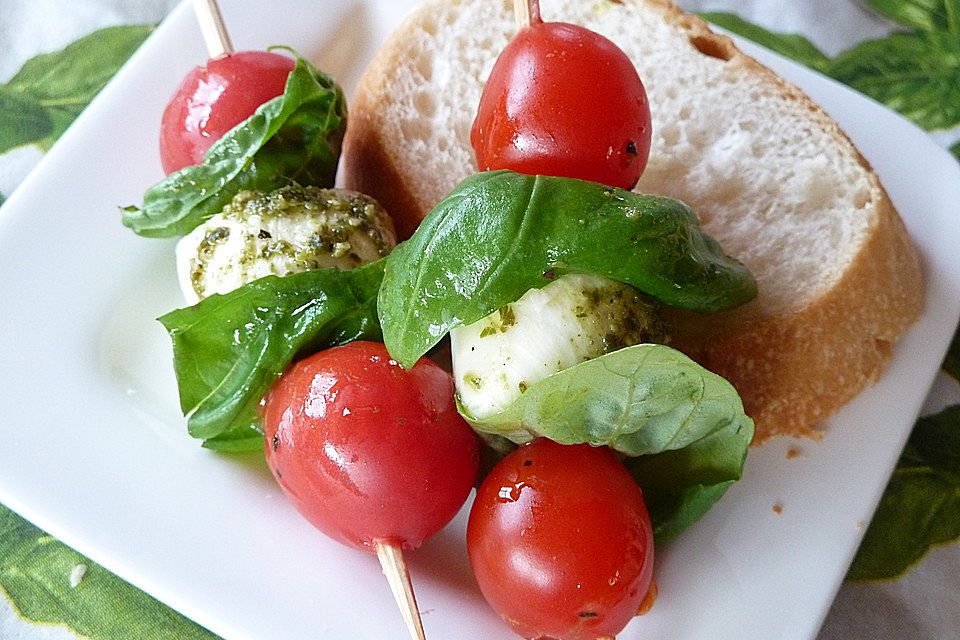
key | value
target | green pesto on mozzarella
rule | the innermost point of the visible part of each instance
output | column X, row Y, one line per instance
column 290, row 230
column 573, row 319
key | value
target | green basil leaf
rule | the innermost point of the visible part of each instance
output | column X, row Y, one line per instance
column 921, row 505
column 917, row 74
column 955, row 150
column 499, row 234
column 50, row 90
column 680, row 486
column 686, row 424
column 639, row 400
column 228, row 349
column 238, row 439
column 294, row 138
column 793, row 46
column 36, row 570
column 928, row 15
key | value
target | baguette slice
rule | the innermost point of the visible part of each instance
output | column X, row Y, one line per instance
column 770, row 175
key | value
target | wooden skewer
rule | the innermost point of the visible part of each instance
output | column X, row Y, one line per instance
column 395, row 568
column 391, row 557
column 521, row 11
column 212, row 27
column 527, row 12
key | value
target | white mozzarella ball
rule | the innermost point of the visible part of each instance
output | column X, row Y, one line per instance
column 286, row 231
column 573, row 319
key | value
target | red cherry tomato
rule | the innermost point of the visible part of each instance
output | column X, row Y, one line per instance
column 564, row 101
column 368, row 451
column 561, row 543
column 215, row 98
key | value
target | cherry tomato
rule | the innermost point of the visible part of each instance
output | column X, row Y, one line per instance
column 215, row 98
column 564, row 101
column 368, row 451
column 561, row 542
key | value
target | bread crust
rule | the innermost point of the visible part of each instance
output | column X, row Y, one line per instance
column 796, row 370
column 792, row 370
column 369, row 167
column 369, row 162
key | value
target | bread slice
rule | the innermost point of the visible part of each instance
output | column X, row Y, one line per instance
column 770, row 175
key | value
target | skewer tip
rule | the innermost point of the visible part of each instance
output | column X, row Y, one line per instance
column 214, row 31
column 398, row 577
column 526, row 12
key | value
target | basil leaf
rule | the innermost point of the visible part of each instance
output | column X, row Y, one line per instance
column 50, row 90
column 36, row 570
column 917, row 74
column 955, row 150
column 499, row 234
column 680, row 486
column 238, row 439
column 928, row 15
column 294, row 138
column 921, row 504
column 793, row 46
column 228, row 349
column 639, row 400
column 686, row 424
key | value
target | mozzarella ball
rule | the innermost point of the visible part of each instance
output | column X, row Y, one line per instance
column 290, row 230
column 573, row 319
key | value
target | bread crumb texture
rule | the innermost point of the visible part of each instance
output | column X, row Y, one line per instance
column 768, row 173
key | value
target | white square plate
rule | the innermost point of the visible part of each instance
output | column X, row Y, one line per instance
column 95, row 451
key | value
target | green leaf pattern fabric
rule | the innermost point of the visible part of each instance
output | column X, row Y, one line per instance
column 48, row 582
column 40, row 102
column 921, row 505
